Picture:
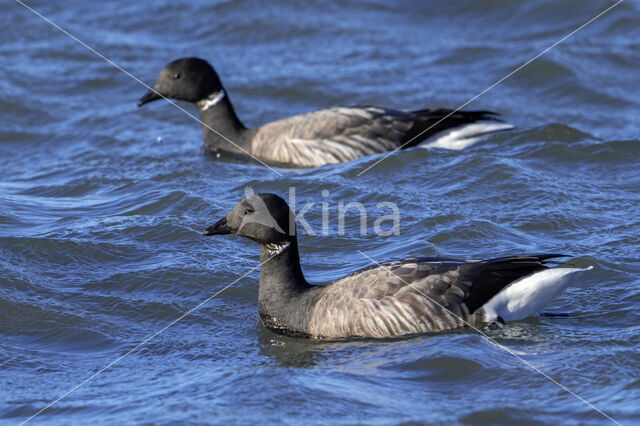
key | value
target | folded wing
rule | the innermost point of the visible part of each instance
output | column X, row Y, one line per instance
column 332, row 136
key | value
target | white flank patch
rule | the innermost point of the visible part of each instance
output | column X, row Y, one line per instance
column 525, row 297
column 211, row 100
column 461, row 137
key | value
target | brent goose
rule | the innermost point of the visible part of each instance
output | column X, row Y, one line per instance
column 415, row 295
column 331, row 135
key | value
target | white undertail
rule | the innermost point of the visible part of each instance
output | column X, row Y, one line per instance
column 525, row 297
column 461, row 137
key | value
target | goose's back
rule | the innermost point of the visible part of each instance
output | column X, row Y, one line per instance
column 396, row 298
column 332, row 135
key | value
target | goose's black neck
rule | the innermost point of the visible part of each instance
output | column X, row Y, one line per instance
column 283, row 288
column 218, row 114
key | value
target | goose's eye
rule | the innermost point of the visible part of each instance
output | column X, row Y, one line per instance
column 248, row 211
column 177, row 76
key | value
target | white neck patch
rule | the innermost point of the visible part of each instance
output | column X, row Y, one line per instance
column 211, row 100
column 275, row 248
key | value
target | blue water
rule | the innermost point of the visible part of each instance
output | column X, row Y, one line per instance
column 102, row 206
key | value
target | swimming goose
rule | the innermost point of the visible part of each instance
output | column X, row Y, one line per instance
column 331, row 135
column 415, row 295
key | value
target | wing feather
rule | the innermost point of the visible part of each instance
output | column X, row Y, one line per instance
column 395, row 298
column 332, row 136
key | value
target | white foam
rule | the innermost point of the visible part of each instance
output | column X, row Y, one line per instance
column 525, row 297
column 461, row 137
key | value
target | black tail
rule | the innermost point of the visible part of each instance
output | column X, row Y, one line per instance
column 431, row 121
column 500, row 272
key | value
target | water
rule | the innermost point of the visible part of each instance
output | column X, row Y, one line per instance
column 102, row 206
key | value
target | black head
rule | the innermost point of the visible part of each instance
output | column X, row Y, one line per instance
column 265, row 218
column 187, row 79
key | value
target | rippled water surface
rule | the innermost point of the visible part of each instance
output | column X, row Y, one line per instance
column 102, row 206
